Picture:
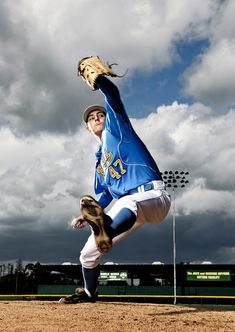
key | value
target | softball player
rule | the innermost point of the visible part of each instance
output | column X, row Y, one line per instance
column 126, row 172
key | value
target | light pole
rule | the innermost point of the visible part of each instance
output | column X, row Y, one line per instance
column 174, row 180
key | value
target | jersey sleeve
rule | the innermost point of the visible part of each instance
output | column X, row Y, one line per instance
column 105, row 199
column 111, row 93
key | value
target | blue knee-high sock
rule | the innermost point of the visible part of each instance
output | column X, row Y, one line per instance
column 123, row 221
column 90, row 277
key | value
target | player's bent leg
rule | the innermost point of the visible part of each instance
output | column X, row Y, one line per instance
column 122, row 221
column 124, row 218
column 123, row 215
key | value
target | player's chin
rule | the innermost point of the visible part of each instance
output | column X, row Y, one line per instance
column 99, row 126
column 98, row 131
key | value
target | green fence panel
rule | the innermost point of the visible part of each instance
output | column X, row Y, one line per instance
column 56, row 289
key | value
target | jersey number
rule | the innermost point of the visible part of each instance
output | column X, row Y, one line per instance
column 114, row 173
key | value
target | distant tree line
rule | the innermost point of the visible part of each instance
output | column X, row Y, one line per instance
column 19, row 279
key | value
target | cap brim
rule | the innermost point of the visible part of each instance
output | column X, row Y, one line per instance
column 91, row 108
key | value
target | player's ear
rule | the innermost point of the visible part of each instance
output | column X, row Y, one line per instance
column 88, row 127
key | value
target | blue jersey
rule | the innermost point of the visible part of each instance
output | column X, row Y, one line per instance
column 123, row 161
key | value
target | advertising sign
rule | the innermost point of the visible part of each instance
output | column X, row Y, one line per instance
column 193, row 275
column 117, row 275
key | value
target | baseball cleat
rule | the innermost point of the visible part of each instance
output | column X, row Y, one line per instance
column 93, row 212
column 80, row 296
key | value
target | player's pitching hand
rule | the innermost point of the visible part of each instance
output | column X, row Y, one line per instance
column 78, row 222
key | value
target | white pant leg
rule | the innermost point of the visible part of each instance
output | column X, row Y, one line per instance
column 150, row 207
column 90, row 255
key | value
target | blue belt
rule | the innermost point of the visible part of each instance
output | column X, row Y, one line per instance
column 144, row 187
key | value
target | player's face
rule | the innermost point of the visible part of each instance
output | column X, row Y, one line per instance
column 95, row 122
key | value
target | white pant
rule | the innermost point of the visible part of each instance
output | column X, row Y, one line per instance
column 150, row 207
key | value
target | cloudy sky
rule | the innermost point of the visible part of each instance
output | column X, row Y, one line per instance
column 179, row 93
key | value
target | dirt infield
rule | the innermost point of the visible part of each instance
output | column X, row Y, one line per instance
column 106, row 316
